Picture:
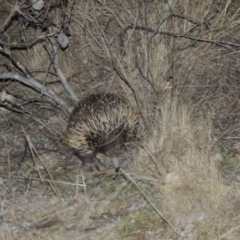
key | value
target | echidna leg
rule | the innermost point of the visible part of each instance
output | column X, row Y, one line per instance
column 88, row 161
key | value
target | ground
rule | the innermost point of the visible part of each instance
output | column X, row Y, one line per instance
column 177, row 63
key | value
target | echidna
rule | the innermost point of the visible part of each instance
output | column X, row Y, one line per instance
column 101, row 123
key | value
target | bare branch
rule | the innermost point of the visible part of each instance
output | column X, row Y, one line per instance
column 179, row 35
column 37, row 86
column 58, row 70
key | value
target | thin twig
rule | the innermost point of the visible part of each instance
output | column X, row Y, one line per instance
column 12, row 14
column 179, row 35
column 46, row 180
column 188, row 18
column 84, row 184
column 150, row 202
column 35, row 153
column 27, row 44
column 225, row 235
column 15, row 61
column 13, row 107
column 131, row 88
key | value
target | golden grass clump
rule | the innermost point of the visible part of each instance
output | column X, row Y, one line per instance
column 181, row 175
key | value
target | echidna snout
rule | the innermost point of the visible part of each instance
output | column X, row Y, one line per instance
column 101, row 123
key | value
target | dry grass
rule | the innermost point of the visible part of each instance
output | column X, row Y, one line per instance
column 182, row 181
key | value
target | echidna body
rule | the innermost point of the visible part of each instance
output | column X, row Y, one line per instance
column 101, row 123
